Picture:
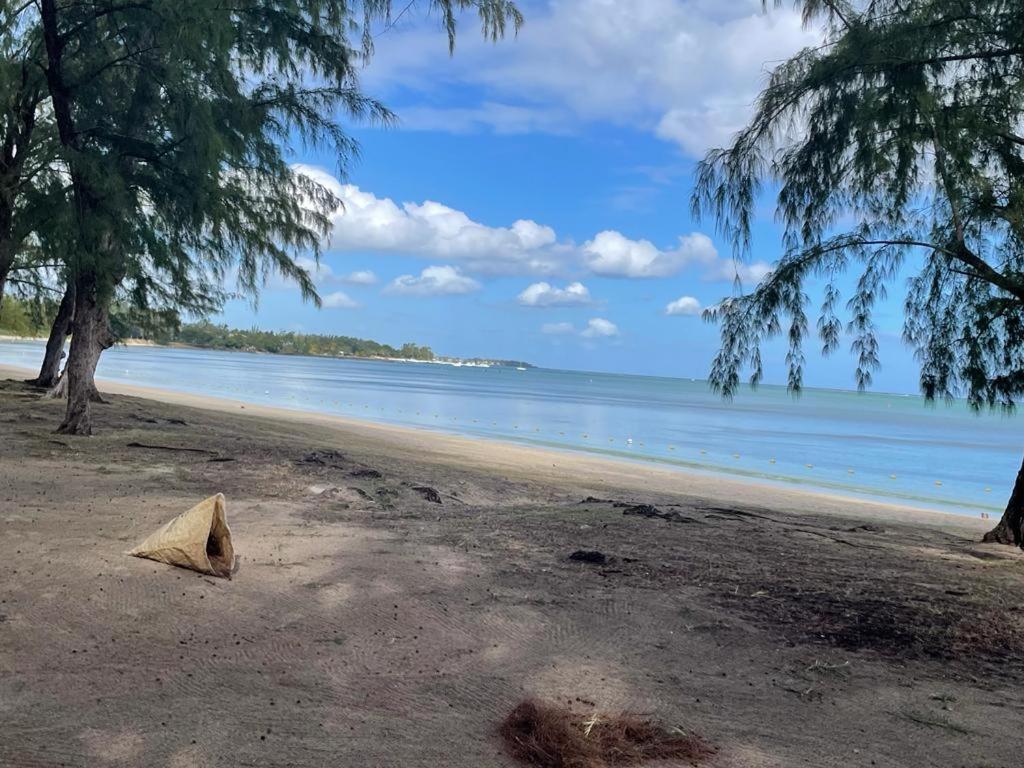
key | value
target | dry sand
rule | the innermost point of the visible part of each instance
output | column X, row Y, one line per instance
column 371, row 626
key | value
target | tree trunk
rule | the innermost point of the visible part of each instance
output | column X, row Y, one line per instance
column 6, row 257
column 62, row 326
column 1011, row 528
column 91, row 335
column 59, row 391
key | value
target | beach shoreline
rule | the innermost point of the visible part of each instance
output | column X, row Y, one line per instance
column 528, row 459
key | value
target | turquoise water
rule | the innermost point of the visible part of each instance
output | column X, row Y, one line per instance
column 888, row 447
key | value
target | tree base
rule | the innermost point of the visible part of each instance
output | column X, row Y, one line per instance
column 76, row 424
column 1007, row 532
column 41, row 383
column 59, row 391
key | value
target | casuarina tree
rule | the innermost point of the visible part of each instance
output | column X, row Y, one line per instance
column 26, row 147
column 895, row 148
column 176, row 119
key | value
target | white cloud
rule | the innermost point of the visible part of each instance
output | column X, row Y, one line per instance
column 613, row 254
column 359, row 277
column 696, row 129
column 558, row 329
column 434, row 281
column 684, row 305
column 547, row 295
column 338, row 300
column 687, row 70
column 728, row 269
column 432, row 230
column 321, row 273
column 598, row 327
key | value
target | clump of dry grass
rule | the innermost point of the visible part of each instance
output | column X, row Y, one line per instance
column 551, row 736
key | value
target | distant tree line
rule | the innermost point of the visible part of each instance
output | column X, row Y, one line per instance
column 20, row 317
column 214, row 336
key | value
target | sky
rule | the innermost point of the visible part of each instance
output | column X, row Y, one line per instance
column 532, row 202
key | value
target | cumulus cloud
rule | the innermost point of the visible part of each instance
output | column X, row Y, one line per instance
column 359, row 277
column 546, row 295
column 320, row 272
column 435, row 231
column 613, row 254
column 434, row 281
column 684, row 305
column 598, row 327
column 687, row 70
column 728, row 269
column 365, row 222
column 558, row 329
column 338, row 300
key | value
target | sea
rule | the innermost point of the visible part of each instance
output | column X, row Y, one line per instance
column 876, row 446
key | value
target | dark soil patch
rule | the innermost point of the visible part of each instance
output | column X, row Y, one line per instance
column 332, row 459
column 428, row 493
column 591, row 556
column 367, row 474
column 649, row 511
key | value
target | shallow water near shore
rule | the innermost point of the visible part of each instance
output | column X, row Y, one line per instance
column 879, row 446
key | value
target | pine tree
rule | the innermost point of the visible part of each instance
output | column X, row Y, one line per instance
column 909, row 121
column 175, row 119
column 25, row 148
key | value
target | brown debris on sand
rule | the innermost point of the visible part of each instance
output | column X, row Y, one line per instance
column 552, row 736
column 428, row 493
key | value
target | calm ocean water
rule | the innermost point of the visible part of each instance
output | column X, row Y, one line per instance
column 887, row 447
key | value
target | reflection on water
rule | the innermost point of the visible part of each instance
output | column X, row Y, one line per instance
column 884, row 446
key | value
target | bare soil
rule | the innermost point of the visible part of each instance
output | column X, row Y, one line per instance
column 393, row 605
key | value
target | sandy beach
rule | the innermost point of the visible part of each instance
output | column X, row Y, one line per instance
column 400, row 590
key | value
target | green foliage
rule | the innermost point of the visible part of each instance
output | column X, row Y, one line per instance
column 19, row 317
column 177, row 119
column 908, row 121
column 33, row 317
column 212, row 336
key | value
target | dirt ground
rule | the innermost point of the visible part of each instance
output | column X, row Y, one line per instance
column 374, row 624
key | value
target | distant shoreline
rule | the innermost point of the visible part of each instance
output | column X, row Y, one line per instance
column 454, row 362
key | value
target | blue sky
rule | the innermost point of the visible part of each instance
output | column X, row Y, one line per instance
column 533, row 202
